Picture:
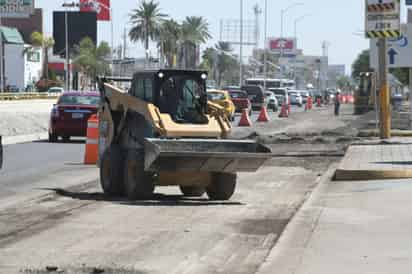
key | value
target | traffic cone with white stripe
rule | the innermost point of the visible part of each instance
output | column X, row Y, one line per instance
column 92, row 141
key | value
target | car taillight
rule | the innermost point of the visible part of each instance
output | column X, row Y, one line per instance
column 55, row 112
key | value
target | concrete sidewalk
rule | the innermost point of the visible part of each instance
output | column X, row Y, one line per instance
column 349, row 227
column 369, row 161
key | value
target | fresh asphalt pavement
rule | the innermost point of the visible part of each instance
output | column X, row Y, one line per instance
column 54, row 216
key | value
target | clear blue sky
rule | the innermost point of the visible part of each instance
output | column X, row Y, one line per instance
column 335, row 21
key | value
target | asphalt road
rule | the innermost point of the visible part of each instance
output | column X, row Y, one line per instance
column 54, row 216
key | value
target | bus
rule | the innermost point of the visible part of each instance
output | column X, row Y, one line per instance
column 271, row 83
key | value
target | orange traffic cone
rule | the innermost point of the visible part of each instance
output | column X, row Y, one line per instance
column 92, row 142
column 284, row 112
column 245, row 120
column 263, row 116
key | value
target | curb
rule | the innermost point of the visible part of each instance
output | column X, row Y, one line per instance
column 372, row 175
column 20, row 139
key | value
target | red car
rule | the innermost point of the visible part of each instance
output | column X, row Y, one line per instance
column 241, row 100
column 70, row 115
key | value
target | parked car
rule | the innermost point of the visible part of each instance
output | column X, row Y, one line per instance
column 55, row 90
column 256, row 96
column 240, row 100
column 281, row 94
column 295, row 98
column 272, row 101
column 70, row 114
column 222, row 98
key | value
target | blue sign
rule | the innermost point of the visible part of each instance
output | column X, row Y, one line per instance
column 392, row 54
column 409, row 2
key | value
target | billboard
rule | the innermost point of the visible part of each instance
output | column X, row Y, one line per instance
column 287, row 45
column 101, row 7
column 16, row 8
column 80, row 25
column 26, row 26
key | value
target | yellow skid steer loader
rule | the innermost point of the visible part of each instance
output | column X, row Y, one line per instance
column 163, row 131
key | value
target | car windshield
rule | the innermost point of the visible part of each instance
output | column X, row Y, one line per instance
column 215, row 96
column 55, row 90
column 79, row 100
column 238, row 95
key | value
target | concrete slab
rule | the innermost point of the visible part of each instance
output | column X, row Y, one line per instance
column 375, row 162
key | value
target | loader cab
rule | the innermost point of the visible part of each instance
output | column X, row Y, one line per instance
column 180, row 93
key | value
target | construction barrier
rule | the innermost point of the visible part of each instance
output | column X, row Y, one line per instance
column 318, row 103
column 27, row 96
column 263, row 116
column 92, row 141
column 245, row 119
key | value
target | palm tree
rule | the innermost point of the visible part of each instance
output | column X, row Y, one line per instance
column 38, row 40
column 170, row 34
column 224, row 60
column 146, row 21
column 195, row 31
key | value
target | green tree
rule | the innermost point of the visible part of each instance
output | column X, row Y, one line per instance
column 146, row 23
column 92, row 61
column 361, row 64
column 38, row 40
column 343, row 82
column 402, row 74
column 170, row 34
column 195, row 31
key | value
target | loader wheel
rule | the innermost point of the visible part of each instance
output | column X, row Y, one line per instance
column 192, row 191
column 53, row 138
column 138, row 183
column 222, row 187
column 111, row 171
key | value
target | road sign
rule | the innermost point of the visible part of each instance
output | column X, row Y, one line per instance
column 399, row 51
column 16, row 8
column 409, row 2
column 382, row 18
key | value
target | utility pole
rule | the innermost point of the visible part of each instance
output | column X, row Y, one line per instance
column 67, row 65
column 241, row 45
column 385, row 113
column 265, row 51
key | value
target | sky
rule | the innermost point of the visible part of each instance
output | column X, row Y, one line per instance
column 339, row 22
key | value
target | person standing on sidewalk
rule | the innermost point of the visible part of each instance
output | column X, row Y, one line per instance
column 337, row 103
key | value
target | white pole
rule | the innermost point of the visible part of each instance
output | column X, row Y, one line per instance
column 67, row 64
column 265, row 55
column 2, row 85
column 241, row 45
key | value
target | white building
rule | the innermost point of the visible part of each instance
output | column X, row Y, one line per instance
column 20, row 67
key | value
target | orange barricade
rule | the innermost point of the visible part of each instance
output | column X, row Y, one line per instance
column 92, row 141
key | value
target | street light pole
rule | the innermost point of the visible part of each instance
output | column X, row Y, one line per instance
column 67, row 65
column 282, row 15
column 295, row 34
column 241, row 45
column 265, row 54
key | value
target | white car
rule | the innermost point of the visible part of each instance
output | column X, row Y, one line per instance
column 272, row 101
column 295, row 98
column 55, row 90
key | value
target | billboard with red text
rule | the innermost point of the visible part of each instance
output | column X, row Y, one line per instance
column 285, row 45
column 101, row 7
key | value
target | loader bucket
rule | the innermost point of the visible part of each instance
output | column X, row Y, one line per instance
column 204, row 155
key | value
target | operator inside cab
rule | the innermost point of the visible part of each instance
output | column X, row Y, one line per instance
column 184, row 99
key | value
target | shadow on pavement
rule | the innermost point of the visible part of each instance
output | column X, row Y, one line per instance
column 157, row 200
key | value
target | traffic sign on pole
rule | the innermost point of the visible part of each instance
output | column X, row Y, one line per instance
column 383, row 18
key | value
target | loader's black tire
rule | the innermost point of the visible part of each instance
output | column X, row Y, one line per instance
column 222, row 187
column 111, row 171
column 138, row 184
column 192, row 191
